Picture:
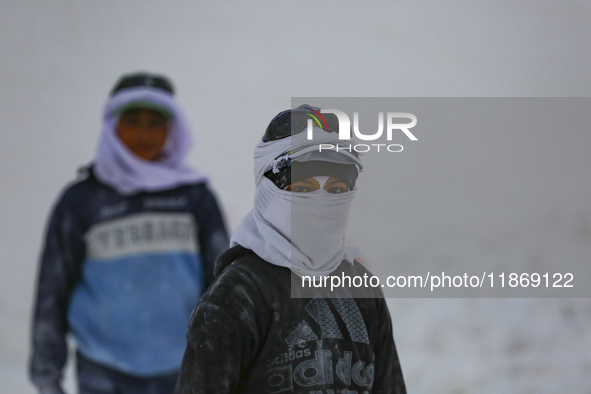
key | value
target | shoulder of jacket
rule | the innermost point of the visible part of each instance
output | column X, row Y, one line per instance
column 242, row 284
column 78, row 185
column 240, row 258
column 245, row 273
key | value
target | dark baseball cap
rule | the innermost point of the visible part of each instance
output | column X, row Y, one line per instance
column 143, row 79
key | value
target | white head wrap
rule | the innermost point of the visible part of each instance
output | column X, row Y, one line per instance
column 301, row 231
column 116, row 166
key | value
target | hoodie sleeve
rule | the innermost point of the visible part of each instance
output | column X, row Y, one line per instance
column 214, row 331
column 213, row 237
column 225, row 334
column 59, row 271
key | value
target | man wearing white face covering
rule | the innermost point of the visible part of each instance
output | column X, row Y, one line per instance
column 247, row 334
column 129, row 250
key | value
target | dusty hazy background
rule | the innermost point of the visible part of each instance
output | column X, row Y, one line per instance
column 236, row 65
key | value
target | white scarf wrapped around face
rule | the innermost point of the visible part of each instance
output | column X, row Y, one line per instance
column 301, row 231
column 118, row 167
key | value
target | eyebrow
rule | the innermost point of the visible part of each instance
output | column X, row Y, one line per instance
column 304, row 181
column 336, row 180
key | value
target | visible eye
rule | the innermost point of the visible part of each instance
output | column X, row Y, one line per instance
column 157, row 122
column 306, row 186
column 337, row 189
column 300, row 189
column 131, row 120
column 336, row 186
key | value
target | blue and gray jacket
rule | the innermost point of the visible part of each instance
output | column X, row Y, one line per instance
column 122, row 274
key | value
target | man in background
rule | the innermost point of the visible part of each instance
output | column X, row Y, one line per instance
column 128, row 252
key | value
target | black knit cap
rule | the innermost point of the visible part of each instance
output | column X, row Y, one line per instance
column 143, row 79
